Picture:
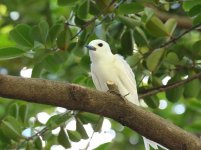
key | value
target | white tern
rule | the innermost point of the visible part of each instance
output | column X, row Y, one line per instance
column 106, row 66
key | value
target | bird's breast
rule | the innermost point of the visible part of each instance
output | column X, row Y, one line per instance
column 106, row 71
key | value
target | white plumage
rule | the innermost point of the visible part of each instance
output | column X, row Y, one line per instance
column 106, row 66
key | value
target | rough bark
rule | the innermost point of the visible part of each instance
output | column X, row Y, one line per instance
column 75, row 97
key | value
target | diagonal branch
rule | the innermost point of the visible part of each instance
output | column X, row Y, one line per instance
column 174, row 39
column 75, row 97
column 152, row 91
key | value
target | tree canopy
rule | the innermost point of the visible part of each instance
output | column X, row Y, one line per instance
column 160, row 39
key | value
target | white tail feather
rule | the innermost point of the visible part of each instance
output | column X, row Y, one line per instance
column 148, row 143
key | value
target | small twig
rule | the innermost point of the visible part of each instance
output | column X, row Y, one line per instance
column 152, row 91
column 112, row 87
column 173, row 40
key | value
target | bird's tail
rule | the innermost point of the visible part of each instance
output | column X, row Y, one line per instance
column 148, row 143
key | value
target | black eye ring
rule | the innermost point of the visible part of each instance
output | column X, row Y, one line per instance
column 100, row 44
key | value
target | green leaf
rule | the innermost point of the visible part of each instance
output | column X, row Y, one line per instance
column 67, row 2
column 11, row 128
column 83, row 9
column 40, row 32
column 155, row 26
column 21, row 35
column 63, row 139
column 140, row 37
column 38, row 143
column 131, row 23
column 80, row 128
column 13, row 110
column 194, row 127
column 192, row 89
column 187, row 5
column 133, row 59
column 105, row 146
column 98, row 126
column 4, row 138
column 51, row 64
column 197, row 49
column 172, row 58
column 86, row 117
column 63, row 39
column 23, row 112
column 195, row 10
column 154, row 58
column 194, row 105
column 74, row 136
column 197, row 19
column 170, row 25
column 37, row 69
column 152, row 101
column 29, row 145
column 130, row 8
column 57, row 120
column 54, row 32
column 127, row 42
column 10, row 53
column 174, row 94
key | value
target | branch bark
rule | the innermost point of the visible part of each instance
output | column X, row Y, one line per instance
column 75, row 97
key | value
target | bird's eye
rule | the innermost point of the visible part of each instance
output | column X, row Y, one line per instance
column 100, row 44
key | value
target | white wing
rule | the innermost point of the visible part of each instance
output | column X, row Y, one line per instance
column 98, row 82
column 127, row 79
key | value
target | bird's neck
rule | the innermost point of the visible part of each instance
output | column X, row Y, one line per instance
column 101, row 58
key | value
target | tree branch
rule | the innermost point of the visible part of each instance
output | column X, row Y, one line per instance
column 75, row 97
column 152, row 91
column 174, row 39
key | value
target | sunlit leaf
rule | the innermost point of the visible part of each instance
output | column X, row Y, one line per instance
column 170, row 25
column 154, row 58
column 155, row 26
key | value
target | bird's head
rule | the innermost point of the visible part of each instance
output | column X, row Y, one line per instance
column 98, row 49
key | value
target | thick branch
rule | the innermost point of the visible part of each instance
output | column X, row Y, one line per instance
column 152, row 91
column 79, row 98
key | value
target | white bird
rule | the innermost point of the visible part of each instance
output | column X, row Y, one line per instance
column 106, row 66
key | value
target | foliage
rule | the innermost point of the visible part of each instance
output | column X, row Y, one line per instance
column 49, row 37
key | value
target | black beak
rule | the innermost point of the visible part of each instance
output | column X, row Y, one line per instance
column 90, row 47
